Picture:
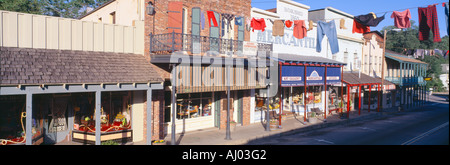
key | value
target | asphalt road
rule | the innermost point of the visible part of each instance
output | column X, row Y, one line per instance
column 426, row 126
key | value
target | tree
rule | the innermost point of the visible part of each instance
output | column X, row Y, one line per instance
column 23, row 6
column 408, row 39
column 59, row 8
column 69, row 8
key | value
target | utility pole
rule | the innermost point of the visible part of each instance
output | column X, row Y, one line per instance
column 382, row 70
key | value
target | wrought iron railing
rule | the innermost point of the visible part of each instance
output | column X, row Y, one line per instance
column 195, row 44
column 405, row 80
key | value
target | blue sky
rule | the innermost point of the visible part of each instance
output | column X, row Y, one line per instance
column 359, row 7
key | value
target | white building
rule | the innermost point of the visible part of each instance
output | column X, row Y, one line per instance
column 350, row 44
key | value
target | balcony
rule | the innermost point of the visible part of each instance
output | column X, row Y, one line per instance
column 406, row 80
column 163, row 44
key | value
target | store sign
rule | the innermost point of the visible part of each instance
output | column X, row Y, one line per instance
column 292, row 76
column 314, row 75
column 333, row 75
column 250, row 48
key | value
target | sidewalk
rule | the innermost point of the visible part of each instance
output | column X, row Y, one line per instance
column 291, row 125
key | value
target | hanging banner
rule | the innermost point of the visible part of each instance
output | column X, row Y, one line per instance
column 315, row 75
column 292, row 76
column 333, row 75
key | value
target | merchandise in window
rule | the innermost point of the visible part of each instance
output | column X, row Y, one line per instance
column 194, row 105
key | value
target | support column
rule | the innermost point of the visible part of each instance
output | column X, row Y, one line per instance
column 98, row 105
column 174, row 103
column 325, row 100
column 348, row 101
column 378, row 100
column 149, row 117
column 28, row 119
column 359, row 100
column 304, row 99
column 370, row 90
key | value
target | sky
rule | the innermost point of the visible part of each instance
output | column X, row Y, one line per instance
column 362, row 7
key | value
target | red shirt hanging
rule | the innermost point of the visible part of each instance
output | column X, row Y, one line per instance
column 358, row 28
column 258, row 24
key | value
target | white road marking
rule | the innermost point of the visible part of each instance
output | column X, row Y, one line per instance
column 411, row 141
column 325, row 141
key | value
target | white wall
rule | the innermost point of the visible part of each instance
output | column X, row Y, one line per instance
column 126, row 12
column 286, row 9
column 45, row 32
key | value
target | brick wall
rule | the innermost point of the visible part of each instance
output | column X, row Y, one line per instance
column 157, row 24
column 158, row 115
column 246, row 108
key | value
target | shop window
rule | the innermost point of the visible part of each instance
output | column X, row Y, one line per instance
column 115, row 113
column 12, row 123
column 194, row 105
column 333, row 97
column 297, row 95
column 314, row 95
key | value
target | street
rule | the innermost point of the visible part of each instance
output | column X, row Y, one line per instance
column 425, row 126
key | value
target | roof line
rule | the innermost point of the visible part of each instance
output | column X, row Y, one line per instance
column 98, row 8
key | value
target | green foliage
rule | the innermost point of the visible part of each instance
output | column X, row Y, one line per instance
column 23, row 6
column 434, row 70
column 109, row 142
column 408, row 38
column 58, row 8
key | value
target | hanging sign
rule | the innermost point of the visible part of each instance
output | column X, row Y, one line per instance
column 292, row 76
column 333, row 75
column 315, row 75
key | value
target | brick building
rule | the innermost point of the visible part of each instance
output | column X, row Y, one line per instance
column 183, row 27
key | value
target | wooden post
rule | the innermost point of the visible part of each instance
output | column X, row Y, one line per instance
column 28, row 119
column 281, row 95
column 149, row 117
column 382, row 66
column 378, row 101
column 325, row 100
column 370, row 90
column 304, row 98
column 359, row 104
column 342, row 87
column 98, row 105
column 348, row 101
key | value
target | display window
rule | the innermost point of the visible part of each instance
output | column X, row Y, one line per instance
column 13, row 121
column 115, row 113
column 193, row 105
column 333, row 97
column 297, row 95
column 314, row 94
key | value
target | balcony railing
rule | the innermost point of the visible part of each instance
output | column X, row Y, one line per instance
column 195, row 44
column 405, row 80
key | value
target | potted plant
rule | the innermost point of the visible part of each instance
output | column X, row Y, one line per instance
column 312, row 117
column 273, row 124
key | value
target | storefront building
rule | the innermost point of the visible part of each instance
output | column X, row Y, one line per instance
column 70, row 102
column 365, row 93
column 65, row 80
column 305, row 83
column 408, row 76
column 199, row 60
column 293, row 53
